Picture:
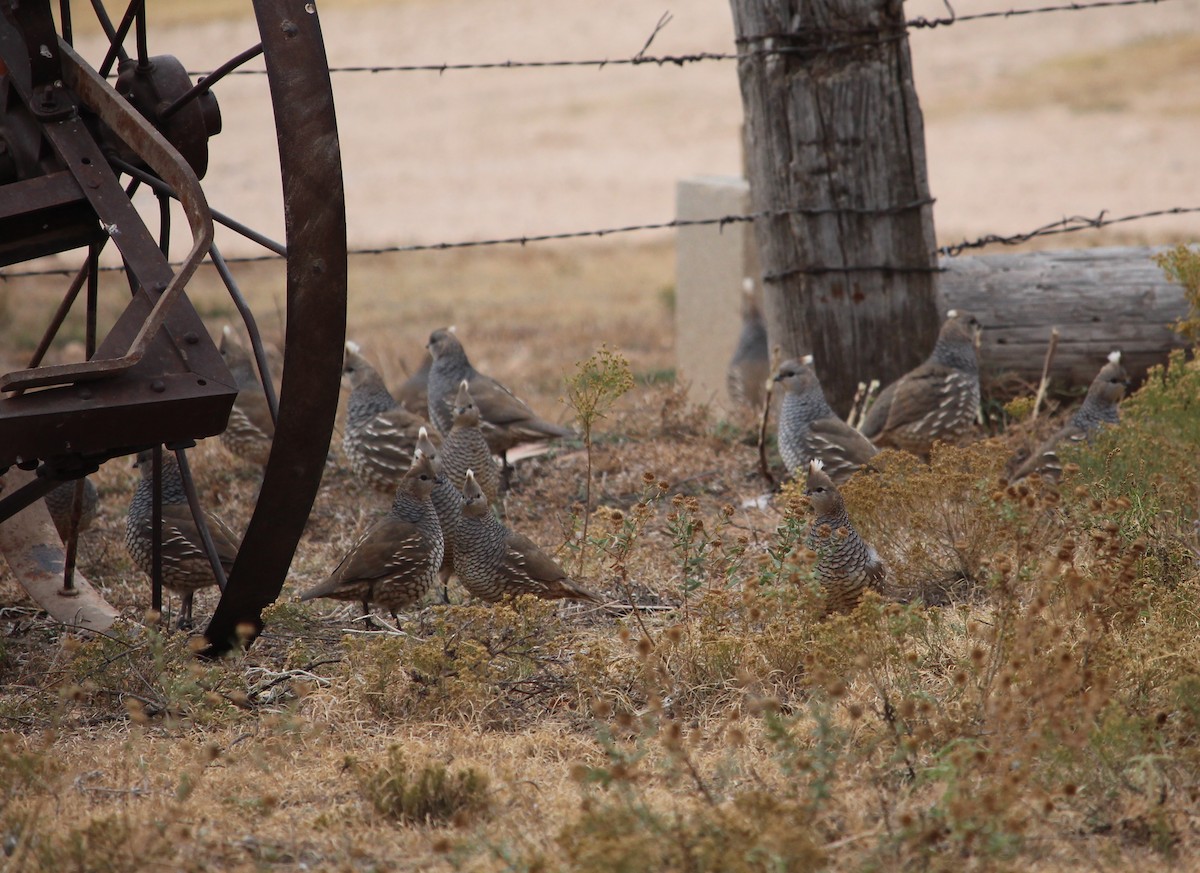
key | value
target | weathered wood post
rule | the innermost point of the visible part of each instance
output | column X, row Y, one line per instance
column 836, row 151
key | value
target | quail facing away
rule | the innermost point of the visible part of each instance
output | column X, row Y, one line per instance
column 493, row 562
column 414, row 393
column 380, row 434
column 936, row 401
column 447, row 503
column 506, row 420
column 809, row 428
column 251, row 427
column 60, row 502
column 395, row 563
column 750, row 367
column 1099, row 408
column 185, row 565
column 465, row 448
column 845, row 564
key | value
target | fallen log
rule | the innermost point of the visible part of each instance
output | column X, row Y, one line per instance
column 1099, row 299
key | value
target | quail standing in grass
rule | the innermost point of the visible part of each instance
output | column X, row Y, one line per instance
column 505, row 419
column 185, row 565
column 465, row 448
column 493, row 562
column 1100, row 407
column 380, row 434
column 938, row 400
column 809, row 428
column 750, row 367
column 251, row 426
column 60, row 502
column 447, row 503
column 846, row 566
column 396, row 562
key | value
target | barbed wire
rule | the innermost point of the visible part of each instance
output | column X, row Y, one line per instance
column 680, row 60
column 1071, row 224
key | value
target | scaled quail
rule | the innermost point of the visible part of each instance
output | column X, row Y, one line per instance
column 396, row 562
column 938, row 400
column 845, row 564
column 414, row 393
column 447, row 503
column 251, row 427
column 506, row 420
column 60, row 501
column 493, row 562
column 185, row 565
column 380, row 434
column 1099, row 408
column 750, row 367
column 809, row 428
column 466, row 448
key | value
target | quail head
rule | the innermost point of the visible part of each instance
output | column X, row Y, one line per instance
column 396, row 562
column 938, row 400
column 380, row 434
column 185, row 564
column 251, row 426
column 505, row 419
column 1100, row 407
column 493, row 562
column 809, row 428
column 846, row 566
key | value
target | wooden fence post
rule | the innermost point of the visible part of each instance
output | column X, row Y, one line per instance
column 835, row 145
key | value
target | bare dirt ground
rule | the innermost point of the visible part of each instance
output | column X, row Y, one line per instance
column 1027, row 119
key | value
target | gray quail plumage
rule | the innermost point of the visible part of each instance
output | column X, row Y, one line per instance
column 1099, row 407
column 809, row 428
column 846, row 566
column 185, row 565
column 414, row 393
column 396, row 562
column 505, row 419
column 465, row 448
column 936, row 401
column 493, row 562
column 60, row 501
column 380, row 434
column 251, row 427
column 750, row 367
column 447, row 503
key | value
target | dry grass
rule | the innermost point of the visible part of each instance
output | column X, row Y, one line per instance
column 1045, row 718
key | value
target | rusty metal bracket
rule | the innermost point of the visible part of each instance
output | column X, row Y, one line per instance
column 170, row 166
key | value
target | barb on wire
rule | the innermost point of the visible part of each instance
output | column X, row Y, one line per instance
column 1069, row 224
column 680, row 60
column 1063, row 225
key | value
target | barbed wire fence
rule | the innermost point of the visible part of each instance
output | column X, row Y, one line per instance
column 854, row 39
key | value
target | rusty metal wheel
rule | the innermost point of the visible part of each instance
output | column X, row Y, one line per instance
column 66, row 138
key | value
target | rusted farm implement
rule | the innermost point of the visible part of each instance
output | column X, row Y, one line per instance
column 75, row 144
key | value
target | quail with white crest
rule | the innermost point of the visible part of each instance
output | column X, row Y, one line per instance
column 938, row 400
column 846, row 566
column 465, row 448
column 809, row 428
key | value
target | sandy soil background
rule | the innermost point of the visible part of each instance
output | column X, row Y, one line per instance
column 1027, row 119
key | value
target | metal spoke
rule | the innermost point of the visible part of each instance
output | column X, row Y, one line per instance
column 156, row 520
column 107, row 26
column 158, row 185
column 64, row 15
column 189, row 488
column 206, row 83
column 164, row 222
column 256, row 343
column 143, row 52
column 116, row 38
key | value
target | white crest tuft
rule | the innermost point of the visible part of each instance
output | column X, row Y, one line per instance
column 353, row 347
column 471, row 474
column 816, row 464
column 227, row 330
column 1114, row 357
column 747, row 285
column 422, row 434
column 452, row 328
column 465, row 384
column 953, row 313
column 807, row 359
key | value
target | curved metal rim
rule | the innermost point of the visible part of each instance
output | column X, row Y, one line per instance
column 315, row 219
